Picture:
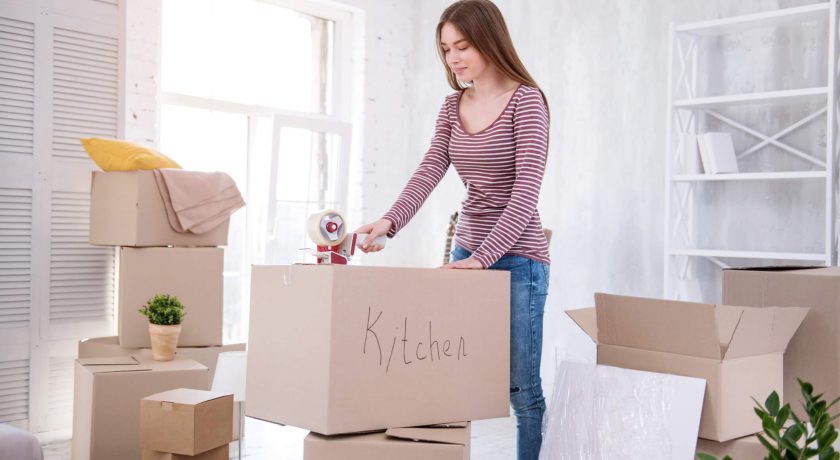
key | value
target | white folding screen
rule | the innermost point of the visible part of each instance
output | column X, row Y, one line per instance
column 60, row 66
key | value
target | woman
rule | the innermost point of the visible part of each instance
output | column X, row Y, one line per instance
column 494, row 129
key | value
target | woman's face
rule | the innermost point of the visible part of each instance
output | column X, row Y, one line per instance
column 461, row 56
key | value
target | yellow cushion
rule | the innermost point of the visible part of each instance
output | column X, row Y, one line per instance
column 114, row 155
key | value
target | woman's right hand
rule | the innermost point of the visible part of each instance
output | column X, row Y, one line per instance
column 374, row 231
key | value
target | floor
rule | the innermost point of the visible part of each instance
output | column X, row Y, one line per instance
column 491, row 440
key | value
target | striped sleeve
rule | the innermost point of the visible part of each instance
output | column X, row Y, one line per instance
column 530, row 130
column 432, row 168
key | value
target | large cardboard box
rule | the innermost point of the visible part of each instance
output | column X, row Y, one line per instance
column 737, row 350
column 186, row 421
column 194, row 275
column 341, row 349
column 103, row 347
column 126, row 209
column 421, row 443
column 747, row 448
column 106, row 403
column 219, row 453
column 814, row 353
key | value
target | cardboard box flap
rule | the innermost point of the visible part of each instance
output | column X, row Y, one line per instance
column 109, row 361
column 727, row 320
column 457, row 436
column 113, row 364
column 774, row 268
column 447, row 425
column 177, row 364
column 764, row 330
column 670, row 326
column 186, row 396
column 586, row 319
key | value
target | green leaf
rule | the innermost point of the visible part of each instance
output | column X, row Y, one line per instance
column 164, row 310
column 783, row 415
column 794, row 433
column 704, row 456
column 772, row 404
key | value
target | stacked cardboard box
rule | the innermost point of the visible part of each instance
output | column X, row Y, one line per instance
column 186, row 423
column 112, row 373
column 342, row 350
column 737, row 350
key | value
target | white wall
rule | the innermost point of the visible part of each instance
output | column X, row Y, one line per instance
column 602, row 64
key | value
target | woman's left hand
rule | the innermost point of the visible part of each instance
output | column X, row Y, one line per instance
column 470, row 263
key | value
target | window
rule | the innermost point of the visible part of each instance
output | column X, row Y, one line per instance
column 259, row 89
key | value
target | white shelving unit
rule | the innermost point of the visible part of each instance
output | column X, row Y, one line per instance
column 685, row 109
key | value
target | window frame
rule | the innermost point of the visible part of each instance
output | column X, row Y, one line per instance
column 346, row 79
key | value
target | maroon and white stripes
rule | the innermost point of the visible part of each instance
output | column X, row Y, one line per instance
column 502, row 168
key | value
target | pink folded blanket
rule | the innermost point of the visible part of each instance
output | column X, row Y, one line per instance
column 195, row 201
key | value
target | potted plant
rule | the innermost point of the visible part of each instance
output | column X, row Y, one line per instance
column 786, row 436
column 165, row 313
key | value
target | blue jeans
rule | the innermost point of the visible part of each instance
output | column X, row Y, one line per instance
column 528, row 290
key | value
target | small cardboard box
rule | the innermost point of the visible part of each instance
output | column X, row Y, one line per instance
column 126, row 209
column 186, row 421
column 106, row 403
column 814, row 353
column 421, row 443
column 746, row 448
column 219, row 453
column 343, row 349
column 737, row 350
column 194, row 275
column 103, row 347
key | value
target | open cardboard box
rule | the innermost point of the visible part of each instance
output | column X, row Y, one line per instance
column 814, row 353
column 450, row 442
column 737, row 350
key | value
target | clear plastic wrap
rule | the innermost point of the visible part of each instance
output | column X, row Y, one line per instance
column 609, row 413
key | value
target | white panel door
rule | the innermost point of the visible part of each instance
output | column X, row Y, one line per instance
column 59, row 82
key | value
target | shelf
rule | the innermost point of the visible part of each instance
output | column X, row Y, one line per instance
column 749, row 254
column 749, row 176
column 737, row 24
column 790, row 95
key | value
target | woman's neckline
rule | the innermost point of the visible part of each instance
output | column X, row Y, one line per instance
column 461, row 123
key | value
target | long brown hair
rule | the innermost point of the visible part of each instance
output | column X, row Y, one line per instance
column 483, row 26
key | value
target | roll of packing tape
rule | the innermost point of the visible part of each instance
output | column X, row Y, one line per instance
column 326, row 228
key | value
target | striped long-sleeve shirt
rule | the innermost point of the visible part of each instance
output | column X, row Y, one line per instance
column 502, row 168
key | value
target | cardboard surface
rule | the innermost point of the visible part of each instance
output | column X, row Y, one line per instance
column 126, row 209
column 427, row 346
column 219, row 453
column 747, row 448
column 186, row 421
column 194, row 275
column 399, row 443
column 106, row 405
column 110, row 347
column 814, row 352
column 737, row 350
column 604, row 412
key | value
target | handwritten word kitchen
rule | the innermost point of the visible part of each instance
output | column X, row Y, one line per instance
column 435, row 348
